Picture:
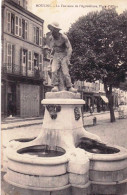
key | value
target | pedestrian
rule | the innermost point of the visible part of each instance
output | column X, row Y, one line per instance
column 10, row 108
column 91, row 109
column 36, row 69
column 61, row 51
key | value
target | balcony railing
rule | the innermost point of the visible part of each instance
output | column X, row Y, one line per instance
column 22, row 71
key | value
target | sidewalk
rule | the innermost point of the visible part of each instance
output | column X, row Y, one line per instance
column 16, row 122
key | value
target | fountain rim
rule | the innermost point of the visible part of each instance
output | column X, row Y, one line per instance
column 14, row 155
column 26, row 158
column 63, row 101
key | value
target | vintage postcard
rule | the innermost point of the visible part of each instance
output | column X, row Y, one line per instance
column 63, row 97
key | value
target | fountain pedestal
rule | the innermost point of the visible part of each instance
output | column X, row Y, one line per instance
column 63, row 121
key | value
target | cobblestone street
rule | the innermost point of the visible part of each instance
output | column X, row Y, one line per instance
column 112, row 133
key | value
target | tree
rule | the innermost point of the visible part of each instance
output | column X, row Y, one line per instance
column 96, row 41
column 123, row 46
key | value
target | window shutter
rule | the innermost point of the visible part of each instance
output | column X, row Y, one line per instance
column 9, row 53
column 8, row 21
column 37, row 35
column 33, row 60
column 21, row 59
column 14, row 68
column 34, row 34
column 40, row 62
column 40, row 37
column 9, row 57
column 13, row 54
column 20, row 27
column 16, row 25
column 29, row 60
column 6, row 53
column 41, row 65
column 26, row 29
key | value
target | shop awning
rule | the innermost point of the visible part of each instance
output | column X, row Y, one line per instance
column 104, row 98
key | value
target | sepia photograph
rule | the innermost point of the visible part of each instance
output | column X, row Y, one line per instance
column 63, row 97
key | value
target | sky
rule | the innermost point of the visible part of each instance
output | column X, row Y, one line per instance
column 66, row 12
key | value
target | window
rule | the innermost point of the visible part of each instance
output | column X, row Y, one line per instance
column 28, row 61
column 24, row 62
column 23, row 28
column 17, row 25
column 36, row 65
column 26, row 29
column 12, row 23
column 10, row 53
column 37, row 36
column 36, row 60
column 10, row 56
column 30, row 70
column 24, row 56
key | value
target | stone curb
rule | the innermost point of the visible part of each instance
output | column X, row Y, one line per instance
column 19, row 126
column 97, row 113
column 15, row 120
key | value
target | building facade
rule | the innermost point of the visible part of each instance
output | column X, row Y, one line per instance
column 22, row 60
column 47, row 69
column 94, row 96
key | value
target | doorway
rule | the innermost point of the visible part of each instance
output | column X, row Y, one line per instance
column 11, row 100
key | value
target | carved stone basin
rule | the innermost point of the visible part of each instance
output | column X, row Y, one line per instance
column 108, row 165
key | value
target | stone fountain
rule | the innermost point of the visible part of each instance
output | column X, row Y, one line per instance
column 65, row 158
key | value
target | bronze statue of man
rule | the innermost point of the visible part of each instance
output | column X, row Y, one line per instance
column 61, row 51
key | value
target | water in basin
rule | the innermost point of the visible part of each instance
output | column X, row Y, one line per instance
column 93, row 146
column 42, row 151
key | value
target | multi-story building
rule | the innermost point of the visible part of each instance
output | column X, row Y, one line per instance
column 93, row 94
column 22, row 60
